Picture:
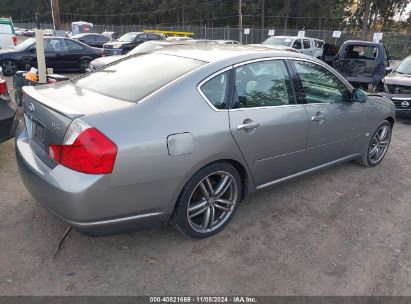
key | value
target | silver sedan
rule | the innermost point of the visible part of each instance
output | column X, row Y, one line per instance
column 183, row 134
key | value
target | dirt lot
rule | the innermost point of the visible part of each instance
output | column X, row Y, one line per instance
column 343, row 231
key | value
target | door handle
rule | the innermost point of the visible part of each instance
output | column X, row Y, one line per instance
column 248, row 126
column 318, row 117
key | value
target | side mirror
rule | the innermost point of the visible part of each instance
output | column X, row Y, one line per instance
column 388, row 70
column 359, row 96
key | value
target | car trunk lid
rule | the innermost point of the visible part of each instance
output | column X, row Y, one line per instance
column 49, row 110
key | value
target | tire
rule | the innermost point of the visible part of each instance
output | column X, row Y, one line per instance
column 377, row 147
column 208, row 201
column 84, row 65
column 9, row 67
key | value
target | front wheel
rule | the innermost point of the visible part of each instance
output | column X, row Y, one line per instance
column 208, row 201
column 378, row 146
column 84, row 65
column 9, row 67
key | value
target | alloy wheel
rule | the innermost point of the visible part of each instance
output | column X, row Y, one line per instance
column 212, row 202
column 9, row 67
column 379, row 144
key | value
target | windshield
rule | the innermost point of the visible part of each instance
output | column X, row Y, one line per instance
column 278, row 41
column 136, row 76
column 129, row 37
column 25, row 44
column 404, row 67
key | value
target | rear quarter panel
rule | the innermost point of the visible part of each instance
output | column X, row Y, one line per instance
column 141, row 132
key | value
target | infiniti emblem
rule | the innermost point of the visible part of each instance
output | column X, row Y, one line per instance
column 31, row 107
column 405, row 104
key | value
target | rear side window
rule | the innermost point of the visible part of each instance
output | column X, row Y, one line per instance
column 365, row 52
column 6, row 29
column 306, row 43
column 215, row 90
column 135, row 77
column 263, row 84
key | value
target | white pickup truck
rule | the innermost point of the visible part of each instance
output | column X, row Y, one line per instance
column 306, row 45
column 8, row 38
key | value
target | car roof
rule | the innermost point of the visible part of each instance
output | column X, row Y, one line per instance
column 293, row 37
column 361, row 42
column 221, row 52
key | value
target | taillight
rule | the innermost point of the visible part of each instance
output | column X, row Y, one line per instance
column 14, row 39
column 85, row 149
column 3, row 87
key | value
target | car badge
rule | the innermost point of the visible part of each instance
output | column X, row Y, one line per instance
column 31, row 107
column 56, row 126
column 405, row 104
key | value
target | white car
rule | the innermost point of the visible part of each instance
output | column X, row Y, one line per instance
column 306, row 45
column 8, row 39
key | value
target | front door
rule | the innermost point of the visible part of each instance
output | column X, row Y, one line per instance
column 268, row 125
column 336, row 122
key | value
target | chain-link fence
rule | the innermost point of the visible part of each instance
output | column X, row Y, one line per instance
column 396, row 42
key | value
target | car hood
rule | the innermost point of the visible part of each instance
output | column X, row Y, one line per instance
column 8, row 51
column 72, row 100
column 398, row 79
column 113, row 43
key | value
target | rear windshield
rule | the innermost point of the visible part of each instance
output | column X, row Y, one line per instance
column 278, row 41
column 135, row 77
column 6, row 29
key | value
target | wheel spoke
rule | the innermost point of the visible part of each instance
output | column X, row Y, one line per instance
column 204, row 190
column 206, row 218
column 198, row 212
column 224, row 201
column 212, row 211
column 373, row 151
column 222, row 186
column 384, row 132
column 197, row 205
column 210, row 187
column 218, row 206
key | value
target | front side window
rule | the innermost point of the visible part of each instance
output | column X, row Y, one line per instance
column 215, row 90
column 320, row 85
column 135, row 77
column 364, row 52
column 263, row 84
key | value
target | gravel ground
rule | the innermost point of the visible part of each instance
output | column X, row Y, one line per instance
column 342, row 231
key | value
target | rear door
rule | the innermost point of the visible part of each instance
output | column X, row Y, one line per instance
column 267, row 123
column 336, row 123
column 307, row 48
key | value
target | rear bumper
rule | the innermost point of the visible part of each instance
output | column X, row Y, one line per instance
column 84, row 201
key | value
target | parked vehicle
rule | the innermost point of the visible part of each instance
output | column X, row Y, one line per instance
column 49, row 33
column 78, row 27
column 95, row 40
column 61, row 54
column 134, row 143
column 145, row 47
column 8, row 112
column 362, row 62
column 8, row 38
column 306, row 45
column 227, row 42
column 397, row 86
column 111, row 35
column 330, row 51
column 129, row 41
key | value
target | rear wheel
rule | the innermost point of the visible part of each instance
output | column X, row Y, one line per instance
column 208, row 201
column 84, row 65
column 378, row 146
column 9, row 67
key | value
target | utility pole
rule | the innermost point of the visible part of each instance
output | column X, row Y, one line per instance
column 240, row 21
column 262, row 18
column 364, row 29
column 55, row 11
